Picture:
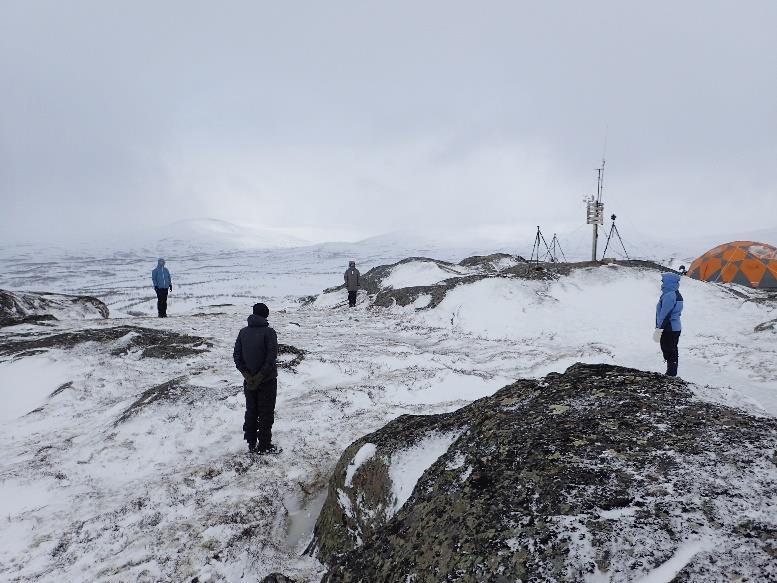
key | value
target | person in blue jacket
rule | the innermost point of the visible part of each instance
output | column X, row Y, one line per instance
column 163, row 283
column 668, row 325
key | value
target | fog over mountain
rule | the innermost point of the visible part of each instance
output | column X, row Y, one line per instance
column 365, row 119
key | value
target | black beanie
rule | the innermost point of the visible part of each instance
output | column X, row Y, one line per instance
column 261, row 310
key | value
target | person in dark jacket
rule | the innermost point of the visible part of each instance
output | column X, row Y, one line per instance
column 352, row 282
column 163, row 283
column 255, row 355
column 668, row 325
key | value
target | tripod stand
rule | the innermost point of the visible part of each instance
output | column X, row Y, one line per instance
column 614, row 229
column 556, row 244
column 536, row 249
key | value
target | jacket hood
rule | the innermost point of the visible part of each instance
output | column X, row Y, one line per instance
column 160, row 262
column 670, row 282
column 351, row 264
column 257, row 321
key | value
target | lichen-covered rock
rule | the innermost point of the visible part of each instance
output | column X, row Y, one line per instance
column 21, row 307
column 600, row 473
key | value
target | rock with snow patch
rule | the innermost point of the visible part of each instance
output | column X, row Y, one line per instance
column 120, row 340
column 599, row 473
column 277, row 578
column 23, row 307
column 423, row 283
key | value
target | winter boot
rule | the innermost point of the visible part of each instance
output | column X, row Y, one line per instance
column 272, row 449
column 671, row 368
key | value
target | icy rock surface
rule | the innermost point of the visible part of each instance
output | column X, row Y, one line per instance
column 22, row 307
column 405, row 282
column 601, row 473
column 121, row 339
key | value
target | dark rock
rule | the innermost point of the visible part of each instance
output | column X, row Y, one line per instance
column 42, row 320
column 769, row 326
column 602, row 470
column 278, row 578
column 153, row 343
column 175, row 390
column 490, row 262
column 297, row 356
column 27, row 307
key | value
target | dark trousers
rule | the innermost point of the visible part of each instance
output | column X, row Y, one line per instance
column 260, row 414
column 669, row 340
column 352, row 298
column 161, row 301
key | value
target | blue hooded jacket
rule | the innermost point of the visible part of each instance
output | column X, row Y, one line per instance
column 670, row 305
column 160, row 276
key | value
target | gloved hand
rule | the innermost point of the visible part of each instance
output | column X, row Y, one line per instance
column 253, row 380
column 657, row 335
column 171, row 287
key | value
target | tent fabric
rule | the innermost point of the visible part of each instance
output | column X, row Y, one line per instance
column 746, row 263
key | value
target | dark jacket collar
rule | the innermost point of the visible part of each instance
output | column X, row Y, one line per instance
column 257, row 321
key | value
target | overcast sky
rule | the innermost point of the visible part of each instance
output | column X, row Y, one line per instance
column 374, row 116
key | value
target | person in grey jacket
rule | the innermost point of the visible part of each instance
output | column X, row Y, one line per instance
column 352, row 282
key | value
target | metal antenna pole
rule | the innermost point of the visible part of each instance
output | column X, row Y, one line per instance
column 596, row 209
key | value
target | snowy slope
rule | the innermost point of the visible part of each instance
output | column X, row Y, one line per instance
column 606, row 314
column 415, row 273
column 173, row 476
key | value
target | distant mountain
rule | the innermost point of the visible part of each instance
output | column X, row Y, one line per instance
column 204, row 235
column 207, row 235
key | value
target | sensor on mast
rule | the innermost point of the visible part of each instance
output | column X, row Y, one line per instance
column 595, row 209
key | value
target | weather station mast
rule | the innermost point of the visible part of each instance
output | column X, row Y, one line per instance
column 595, row 209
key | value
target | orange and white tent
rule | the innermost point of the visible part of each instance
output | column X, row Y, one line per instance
column 743, row 262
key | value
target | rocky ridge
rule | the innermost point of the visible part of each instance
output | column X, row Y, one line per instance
column 26, row 307
column 467, row 271
column 599, row 473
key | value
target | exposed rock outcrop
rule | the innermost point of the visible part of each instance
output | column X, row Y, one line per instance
column 377, row 282
column 23, row 307
column 277, row 578
column 601, row 472
column 373, row 281
column 122, row 339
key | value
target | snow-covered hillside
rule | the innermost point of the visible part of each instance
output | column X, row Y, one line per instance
column 126, row 463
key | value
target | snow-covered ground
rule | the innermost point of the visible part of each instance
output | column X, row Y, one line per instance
column 167, row 493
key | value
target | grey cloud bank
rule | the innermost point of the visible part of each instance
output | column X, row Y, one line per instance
column 375, row 117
